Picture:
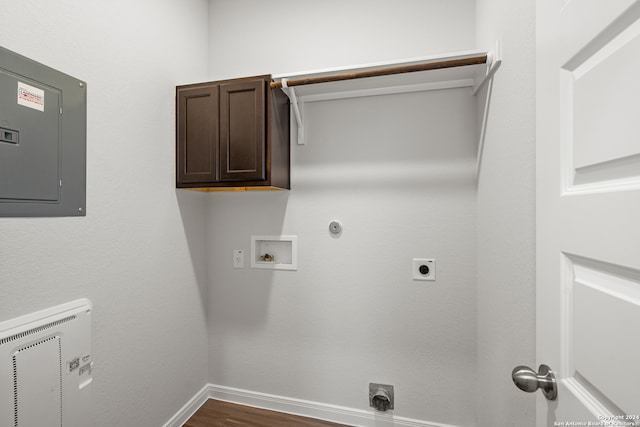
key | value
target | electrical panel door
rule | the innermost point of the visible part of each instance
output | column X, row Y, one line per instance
column 42, row 140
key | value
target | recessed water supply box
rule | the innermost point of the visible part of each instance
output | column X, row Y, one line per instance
column 274, row 252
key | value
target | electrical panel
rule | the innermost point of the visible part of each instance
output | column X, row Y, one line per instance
column 43, row 117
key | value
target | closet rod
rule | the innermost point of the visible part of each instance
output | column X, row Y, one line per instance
column 426, row 66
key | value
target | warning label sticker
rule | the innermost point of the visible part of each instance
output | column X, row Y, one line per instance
column 30, row 96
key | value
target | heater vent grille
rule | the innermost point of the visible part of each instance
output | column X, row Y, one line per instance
column 46, row 367
column 45, row 394
column 34, row 331
column 15, row 394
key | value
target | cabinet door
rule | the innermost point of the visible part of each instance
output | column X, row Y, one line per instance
column 242, row 131
column 198, row 136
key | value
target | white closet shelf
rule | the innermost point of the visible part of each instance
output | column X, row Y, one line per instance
column 463, row 69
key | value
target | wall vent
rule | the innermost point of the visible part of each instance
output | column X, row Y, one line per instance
column 36, row 330
column 46, row 367
column 26, row 393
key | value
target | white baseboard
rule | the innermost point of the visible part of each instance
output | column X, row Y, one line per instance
column 305, row 408
column 189, row 408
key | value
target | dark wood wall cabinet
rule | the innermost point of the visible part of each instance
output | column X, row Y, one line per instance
column 232, row 135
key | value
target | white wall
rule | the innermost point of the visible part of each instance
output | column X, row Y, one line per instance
column 138, row 253
column 398, row 171
column 253, row 37
column 351, row 311
column 506, row 218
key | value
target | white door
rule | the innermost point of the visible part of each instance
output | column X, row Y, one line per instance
column 588, row 209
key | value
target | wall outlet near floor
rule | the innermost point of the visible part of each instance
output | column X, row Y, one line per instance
column 238, row 258
column 424, row 269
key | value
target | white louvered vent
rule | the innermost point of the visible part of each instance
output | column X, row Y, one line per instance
column 45, row 357
column 45, row 368
column 35, row 330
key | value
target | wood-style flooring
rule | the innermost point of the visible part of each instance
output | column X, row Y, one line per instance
column 216, row 413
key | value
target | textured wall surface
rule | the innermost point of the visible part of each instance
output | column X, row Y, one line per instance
column 254, row 37
column 138, row 253
column 398, row 171
column 506, row 217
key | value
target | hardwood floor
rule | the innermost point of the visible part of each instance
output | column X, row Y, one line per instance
column 216, row 413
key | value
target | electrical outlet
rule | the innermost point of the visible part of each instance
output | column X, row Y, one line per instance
column 238, row 258
column 424, row 269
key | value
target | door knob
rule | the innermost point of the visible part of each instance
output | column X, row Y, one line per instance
column 526, row 379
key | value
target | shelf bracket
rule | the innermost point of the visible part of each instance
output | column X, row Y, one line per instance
column 494, row 61
column 493, row 65
column 297, row 107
